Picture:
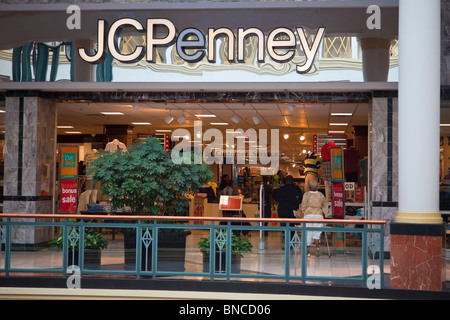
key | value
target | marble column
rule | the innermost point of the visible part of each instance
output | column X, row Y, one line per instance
column 418, row 227
column 29, row 164
column 383, row 159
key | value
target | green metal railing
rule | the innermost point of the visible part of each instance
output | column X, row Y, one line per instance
column 147, row 231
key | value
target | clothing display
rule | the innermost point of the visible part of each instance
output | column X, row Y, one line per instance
column 362, row 164
column 351, row 157
column 88, row 158
column 325, row 151
column 312, row 164
column 114, row 145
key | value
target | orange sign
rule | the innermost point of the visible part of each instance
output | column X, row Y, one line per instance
column 337, row 164
column 68, row 162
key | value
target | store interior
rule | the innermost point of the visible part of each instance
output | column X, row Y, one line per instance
column 302, row 128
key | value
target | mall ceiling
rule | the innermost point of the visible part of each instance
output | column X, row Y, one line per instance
column 292, row 119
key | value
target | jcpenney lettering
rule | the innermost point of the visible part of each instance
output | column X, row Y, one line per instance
column 280, row 44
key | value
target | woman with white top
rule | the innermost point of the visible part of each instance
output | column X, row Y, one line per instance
column 314, row 206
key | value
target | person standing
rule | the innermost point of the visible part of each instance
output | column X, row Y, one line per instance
column 314, row 206
column 289, row 197
column 268, row 201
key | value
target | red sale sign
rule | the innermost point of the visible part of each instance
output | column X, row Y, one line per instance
column 338, row 200
column 68, row 196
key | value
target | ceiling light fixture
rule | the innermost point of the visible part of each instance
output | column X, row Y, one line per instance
column 291, row 107
column 219, row 123
column 235, row 118
column 141, row 123
column 73, row 132
column 65, row 127
column 162, row 130
column 181, row 119
column 336, row 131
column 342, row 114
column 302, row 138
column 256, row 119
column 205, row 115
column 286, row 136
column 338, row 124
column 112, row 113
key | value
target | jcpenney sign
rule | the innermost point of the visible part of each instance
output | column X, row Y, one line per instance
column 192, row 45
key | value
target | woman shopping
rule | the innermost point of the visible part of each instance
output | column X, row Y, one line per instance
column 314, row 206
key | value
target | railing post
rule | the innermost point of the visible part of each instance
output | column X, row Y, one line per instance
column 287, row 251
column 8, row 246
column 228, row 252
column 304, row 252
column 138, row 249
column 212, row 250
column 81, row 246
column 365, row 254
column 155, row 233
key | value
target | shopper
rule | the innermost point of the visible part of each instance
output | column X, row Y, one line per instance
column 314, row 206
column 268, row 200
column 224, row 181
column 289, row 197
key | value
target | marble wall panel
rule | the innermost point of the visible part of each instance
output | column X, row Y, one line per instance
column 29, row 160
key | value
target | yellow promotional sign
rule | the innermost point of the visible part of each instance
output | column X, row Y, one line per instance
column 68, row 161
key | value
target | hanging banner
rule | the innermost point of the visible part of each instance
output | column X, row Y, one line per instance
column 68, row 161
column 68, row 196
column 337, row 164
column 338, row 200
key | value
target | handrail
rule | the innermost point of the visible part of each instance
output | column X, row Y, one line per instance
column 187, row 218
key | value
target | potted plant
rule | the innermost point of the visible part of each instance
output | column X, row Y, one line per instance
column 146, row 180
column 239, row 246
column 94, row 243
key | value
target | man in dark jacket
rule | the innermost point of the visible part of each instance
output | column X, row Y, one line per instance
column 289, row 197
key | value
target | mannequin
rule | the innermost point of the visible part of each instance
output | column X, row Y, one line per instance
column 114, row 145
column 90, row 195
column 312, row 164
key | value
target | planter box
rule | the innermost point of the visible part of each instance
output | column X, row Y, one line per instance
column 220, row 262
column 171, row 251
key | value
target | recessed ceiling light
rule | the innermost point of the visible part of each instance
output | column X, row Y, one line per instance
column 219, row 123
column 205, row 115
column 336, row 131
column 141, row 123
column 338, row 124
column 342, row 114
column 163, row 130
column 302, row 138
column 445, row 124
column 73, row 132
column 65, row 127
column 112, row 113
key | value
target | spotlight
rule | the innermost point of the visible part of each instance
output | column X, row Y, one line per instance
column 235, row 118
column 286, row 136
column 181, row 119
column 302, row 138
column 256, row 119
column 169, row 119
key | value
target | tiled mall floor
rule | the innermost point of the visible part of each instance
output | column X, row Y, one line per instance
column 268, row 259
